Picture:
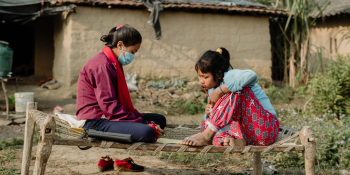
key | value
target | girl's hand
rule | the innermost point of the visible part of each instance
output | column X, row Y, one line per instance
column 215, row 96
column 160, row 131
column 207, row 108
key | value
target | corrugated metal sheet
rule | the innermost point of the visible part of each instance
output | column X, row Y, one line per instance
column 334, row 8
column 209, row 5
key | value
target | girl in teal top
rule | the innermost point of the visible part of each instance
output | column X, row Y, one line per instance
column 227, row 115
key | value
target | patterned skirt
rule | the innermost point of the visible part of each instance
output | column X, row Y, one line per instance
column 239, row 115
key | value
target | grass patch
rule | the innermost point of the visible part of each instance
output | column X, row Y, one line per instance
column 7, row 156
column 10, row 143
column 17, row 142
column 190, row 107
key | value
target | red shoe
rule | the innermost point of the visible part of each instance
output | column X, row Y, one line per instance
column 105, row 163
column 127, row 165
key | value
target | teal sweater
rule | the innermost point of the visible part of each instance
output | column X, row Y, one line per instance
column 235, row 80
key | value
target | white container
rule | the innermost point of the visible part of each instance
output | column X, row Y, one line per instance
column 21, row 99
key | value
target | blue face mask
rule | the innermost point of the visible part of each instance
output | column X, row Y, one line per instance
column 127, row 59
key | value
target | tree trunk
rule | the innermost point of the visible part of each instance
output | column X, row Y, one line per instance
column 292, row 68
column 303, row 60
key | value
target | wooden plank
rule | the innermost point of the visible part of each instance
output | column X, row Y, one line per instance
column 257, row 168
column 185, row 125
column 170, row 147
column 47, row 132
column 20, row 120
column 28, row 139
column 16, row 116
column 5, row 122
column 307, row 138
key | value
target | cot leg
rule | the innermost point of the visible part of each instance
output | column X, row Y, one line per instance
column 28, row 139
column 257, row 168
column 307, row 138
column 47, row 132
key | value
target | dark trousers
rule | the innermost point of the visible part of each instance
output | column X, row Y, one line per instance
column 140, row 132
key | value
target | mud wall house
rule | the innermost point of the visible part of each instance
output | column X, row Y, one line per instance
column 331, row 34
column 188, row 29
column 28, row 27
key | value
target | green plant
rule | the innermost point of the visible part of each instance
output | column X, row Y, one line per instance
column 330, row 91
column 190, row 107
column 6, row 143
column 332, row 139
column 277, row 95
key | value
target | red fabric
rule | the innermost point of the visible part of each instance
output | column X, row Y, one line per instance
column 156, row 131
column 124, row 163
column 123, row 92
column 104, row 163
column 246, row 118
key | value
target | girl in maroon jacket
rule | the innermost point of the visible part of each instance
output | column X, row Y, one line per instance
column 102, row 89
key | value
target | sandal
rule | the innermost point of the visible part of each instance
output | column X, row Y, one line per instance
column 105, row 163
column 127, row 165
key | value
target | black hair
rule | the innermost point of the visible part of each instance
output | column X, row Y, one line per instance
column 213, row 62
column 226, row 55
column 127, row 34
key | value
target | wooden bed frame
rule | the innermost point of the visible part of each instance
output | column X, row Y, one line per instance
column 47, row 127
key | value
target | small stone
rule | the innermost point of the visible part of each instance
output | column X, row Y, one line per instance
column 178, row 92
column 187, row 96
column 196, row 94
column 171, row 89
column 344, row 172
column 194, row 85
column 142, row 81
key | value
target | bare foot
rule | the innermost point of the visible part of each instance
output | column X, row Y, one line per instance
column 200, row 139
column 190, row 137
column 235, row 142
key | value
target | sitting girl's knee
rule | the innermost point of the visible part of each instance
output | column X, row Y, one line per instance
column 149, row 135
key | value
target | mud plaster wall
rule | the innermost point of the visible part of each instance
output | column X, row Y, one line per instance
column 44, row 50
column 185, row 37
column 329, row 38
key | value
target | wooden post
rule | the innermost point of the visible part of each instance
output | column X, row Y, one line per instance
column 47, row 132
column 257, row 168
column 28, row 138
column 6, row 97
column 307, row 138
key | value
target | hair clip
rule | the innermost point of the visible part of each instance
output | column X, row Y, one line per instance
column 219, row 51
column 119, row 26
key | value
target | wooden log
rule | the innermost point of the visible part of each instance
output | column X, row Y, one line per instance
column 47, row 132
column 257, row 168
column 28, row 139
column 171, row 147
column 196, row 126
column 307, row 138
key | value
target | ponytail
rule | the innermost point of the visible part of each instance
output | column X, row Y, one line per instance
column 225, row 54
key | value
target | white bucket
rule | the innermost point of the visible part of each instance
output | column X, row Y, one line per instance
column 21, row 99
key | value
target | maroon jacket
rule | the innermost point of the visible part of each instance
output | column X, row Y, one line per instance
column 96, row 93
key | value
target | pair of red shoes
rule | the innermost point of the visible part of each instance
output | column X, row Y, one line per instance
column 127, row 164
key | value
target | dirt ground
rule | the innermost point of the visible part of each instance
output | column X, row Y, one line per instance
column 71, row 160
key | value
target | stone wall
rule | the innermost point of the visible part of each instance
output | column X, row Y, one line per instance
column 330, row 37
column 185, row 37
